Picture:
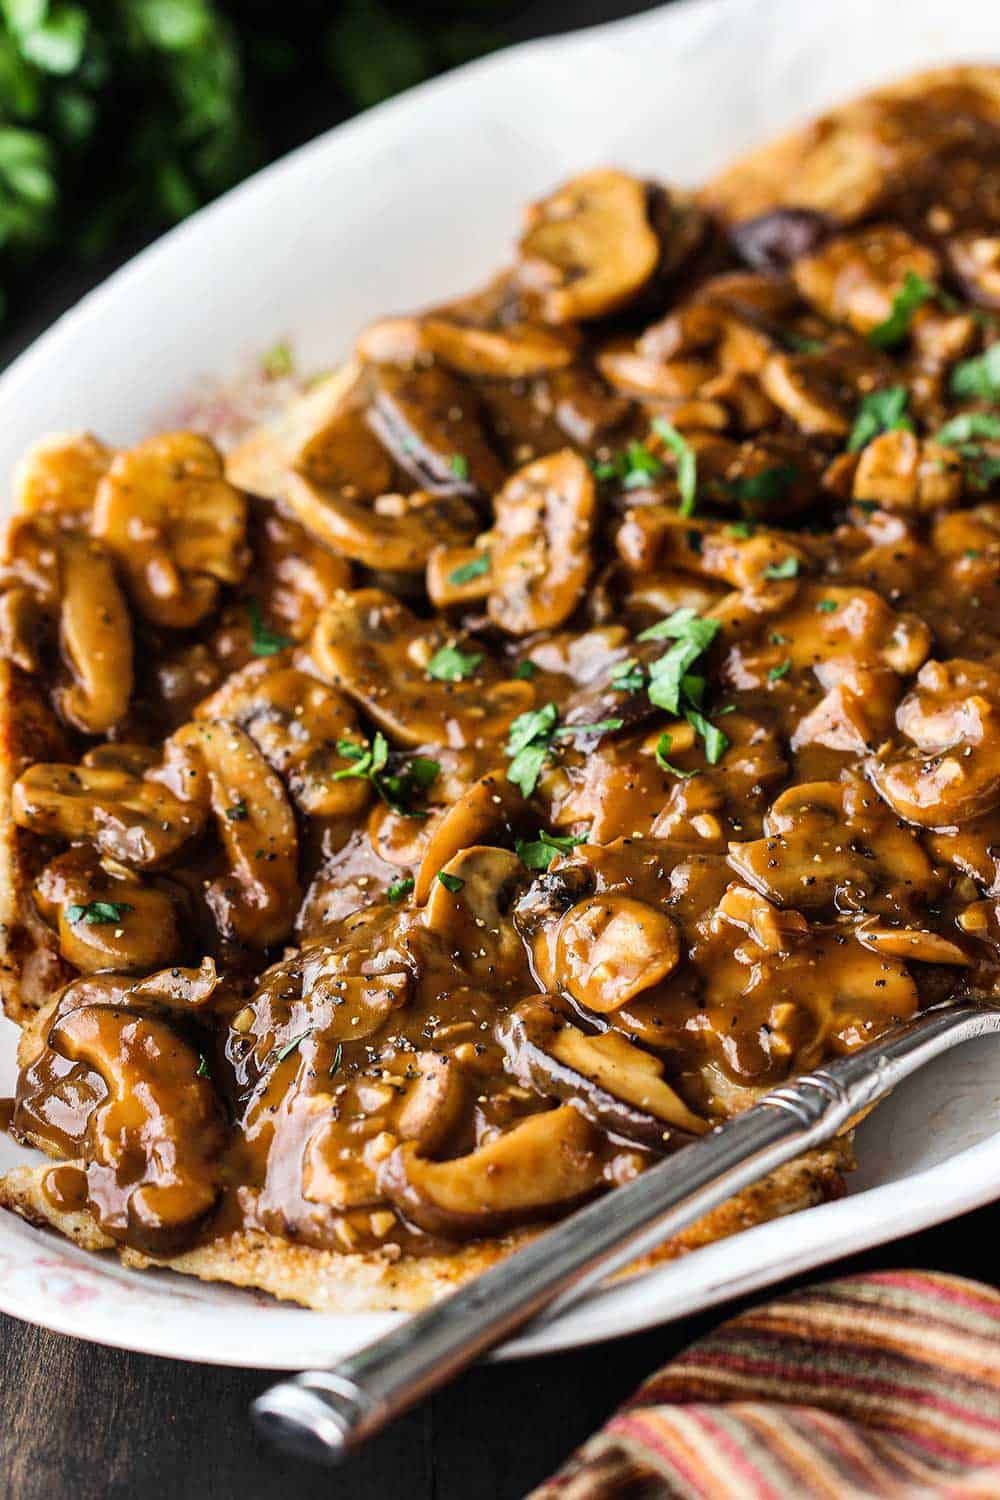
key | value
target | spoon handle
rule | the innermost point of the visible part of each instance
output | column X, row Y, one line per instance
column 322, row 1414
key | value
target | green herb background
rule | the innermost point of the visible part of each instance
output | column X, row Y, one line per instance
column 120, row 117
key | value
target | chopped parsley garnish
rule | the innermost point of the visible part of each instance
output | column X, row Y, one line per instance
column 880, row 411
column 452, row 883
column 264, row 641
column 663, row 747
column 979, row 377
column 530, row 742
column 687, row 463
column 459, row 465
column 800, row 344
column 914, row 292
column 628, row 677
column 634, row 466
column 398, row 790
column 474, row 568
column 338, row 1058
column 672, row 685
column 452, row 665
column 278, row 361
column 400, row 888
column 742, row 529
column 202, row 1070
column 97, row 913
column 827, row 606
column 291, row 1047
column 526, row 670
column 967, row 427
column 539, row 853
column 777, row 639
column 776, row 673
column 770, row 485
column 238, row 812
column 788, row 567
column 716, row 743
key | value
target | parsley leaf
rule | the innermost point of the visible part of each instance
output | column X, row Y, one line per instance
column 452, row 665
column 788, row 567
column 238, row 812
column 663, row 747
column 776, row 673
column 716, row 743
column 526, row 670
column 687, row 464
column 979, row 377
column 397, row 789
column 669, row 675
column 914, row 292
column 880, row 411
column 628, row 677
column 634, row 467
column 97, row 913
column 278, row 361
column 743, row 529
column 827, row 606
column 291, row 1046
column 264, row 641
column 474, row 568
column 338, row 1058
column 530, row 742
column 528, row 745
column 968, row 426
column 770, row 485
column 459, row 465
column 539, row 853
column 400, row 888
column 202, row 1070
column 452, row 883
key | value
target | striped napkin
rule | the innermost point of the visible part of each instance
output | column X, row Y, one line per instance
column 881, row 1385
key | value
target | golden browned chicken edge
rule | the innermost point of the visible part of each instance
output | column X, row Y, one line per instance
column 333, row 1281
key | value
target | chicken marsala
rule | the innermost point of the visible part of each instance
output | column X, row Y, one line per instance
column 568, row 720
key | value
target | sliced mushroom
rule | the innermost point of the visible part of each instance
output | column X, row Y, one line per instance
column 544, row 1165
column 614, row 1083
column 433, row 1106
column 297, row 724
column 431, row 424
column 514, row 351
column 900, row 471
column 256, row 901
column 487, row 807
column 953, row 774
column 60, row 474
column 175, row 525
column 607, row 950
column 541, row 543
column 854, row 278
column 470, row 907
column 155, row 1141
column 374, row 649
column 589, row 247
column 321, row 434
column 539, row 552
column 130, row 818
column 96, row 638
column 107, row 918
column 394, row 533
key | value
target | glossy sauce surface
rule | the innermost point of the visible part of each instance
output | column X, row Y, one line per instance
column 577, row 716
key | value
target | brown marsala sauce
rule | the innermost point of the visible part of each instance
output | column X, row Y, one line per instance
column 598, row 724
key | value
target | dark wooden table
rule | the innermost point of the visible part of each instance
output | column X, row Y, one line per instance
column 78, row 1422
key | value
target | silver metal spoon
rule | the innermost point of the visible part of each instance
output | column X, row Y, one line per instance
column 323, row 1414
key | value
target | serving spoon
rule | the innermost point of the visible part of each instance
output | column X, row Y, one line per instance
column 323, row 1414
